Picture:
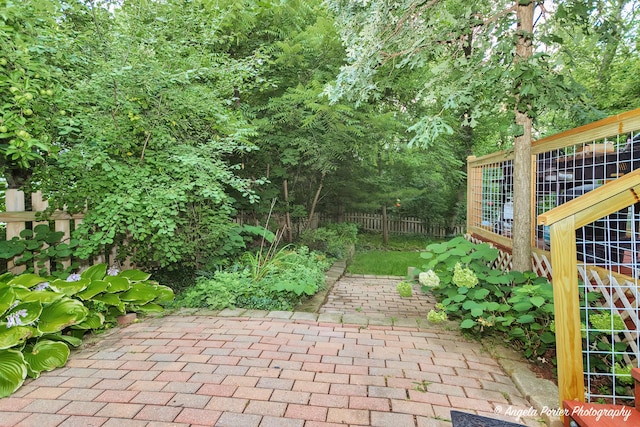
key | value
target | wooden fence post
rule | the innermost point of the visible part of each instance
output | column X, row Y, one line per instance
column 39, row 205
column 14, row 200
column 567, row 310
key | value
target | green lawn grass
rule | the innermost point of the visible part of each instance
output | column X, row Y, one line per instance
column 384, row 263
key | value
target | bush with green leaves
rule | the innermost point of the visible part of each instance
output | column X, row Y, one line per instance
column 41, row 317
column 335, row 240
column 275, row 282
column 518, row 306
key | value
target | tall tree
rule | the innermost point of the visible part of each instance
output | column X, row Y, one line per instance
column 477, row 61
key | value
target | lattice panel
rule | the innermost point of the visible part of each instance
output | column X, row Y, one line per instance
column 620, row 296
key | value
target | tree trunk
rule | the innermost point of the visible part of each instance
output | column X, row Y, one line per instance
column 312, row 211
column 522, row 223
column 385, row 227
column 285, row 185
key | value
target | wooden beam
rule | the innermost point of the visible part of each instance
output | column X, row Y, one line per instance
column 615, row 195
column 567, row 310
column 609, row 127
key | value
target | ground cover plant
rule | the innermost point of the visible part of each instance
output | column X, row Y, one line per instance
column 41, row 317
column 278, row 280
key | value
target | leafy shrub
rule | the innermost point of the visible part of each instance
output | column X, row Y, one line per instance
column 275, row 283
column 518, row 306
column 40, row 317
column 335, row 240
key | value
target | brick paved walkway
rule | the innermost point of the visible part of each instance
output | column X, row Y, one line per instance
column 367, row 359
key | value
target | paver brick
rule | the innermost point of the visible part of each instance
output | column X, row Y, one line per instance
column 385, row 419
column 230, row 404
column 348, row 416
column 253, row 393
column 261, row 407
column 268, row 421
column 158, row 413
column 119, row 410
column 371, row 403
column 82, row 408
column 83, row 421
column 203, row 417
column 45, row 405
column 306, row 412
column 232, row 419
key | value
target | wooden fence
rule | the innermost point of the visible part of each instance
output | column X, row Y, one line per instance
column 18, row 219
column 403, row 225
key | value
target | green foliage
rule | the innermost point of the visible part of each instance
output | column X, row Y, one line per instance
column 38, row 247
column 335, row 240
column 40, row 317
column 29, row 36
column 280, row 283
column 516, row 306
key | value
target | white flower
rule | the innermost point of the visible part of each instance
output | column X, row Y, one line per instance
column 14, row 319
column 41, row 286
column 113, row 271
column 464, row 277
column 74, row 277
column 429, row 279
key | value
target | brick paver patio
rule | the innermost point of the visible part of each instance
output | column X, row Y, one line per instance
column 368, row 358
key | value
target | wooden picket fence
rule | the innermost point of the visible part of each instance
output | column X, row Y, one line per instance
column 17, row 219
column 402, row 225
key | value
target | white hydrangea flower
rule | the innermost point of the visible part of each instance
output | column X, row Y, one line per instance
column 464, row 277
column 429, row 279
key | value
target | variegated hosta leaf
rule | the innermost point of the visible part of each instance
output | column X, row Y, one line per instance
column 70, row 288
column 140, row 293
column 11, row 337
column 7, row 297
column 13, row 371
column 22, row 314
column 165, row 294
column 27, row 280
column 45, row 355
column 134, row 275
column 44, row 297
column 74, row 341
column 117, row 284
column 95, row 272
column 61, row 314
column 95, row 287
column 92, row 321
column 149, row 308
column 110, row 299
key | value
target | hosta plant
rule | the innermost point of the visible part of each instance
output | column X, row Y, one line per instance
column 40, row 318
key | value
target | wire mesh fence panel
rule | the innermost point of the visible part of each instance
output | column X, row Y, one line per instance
column 565, row 167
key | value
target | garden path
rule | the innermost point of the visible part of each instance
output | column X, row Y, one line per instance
column 366, row 358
